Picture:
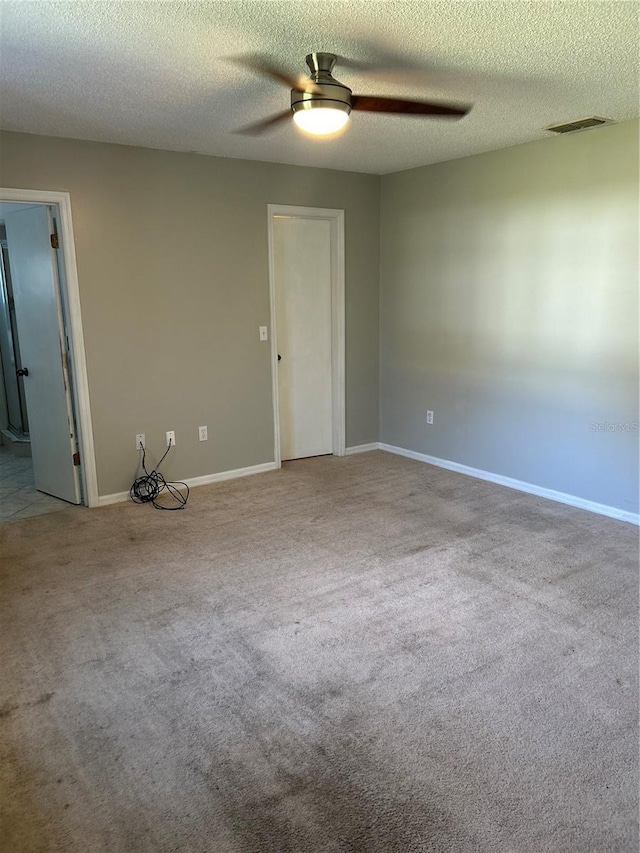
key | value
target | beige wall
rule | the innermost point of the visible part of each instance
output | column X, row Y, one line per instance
column 172, row 264
column 509, row 307
column 508, row 300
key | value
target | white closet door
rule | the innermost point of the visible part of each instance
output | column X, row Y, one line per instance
column 302, row 262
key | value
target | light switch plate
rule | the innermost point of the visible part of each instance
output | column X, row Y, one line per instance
column 263, row 333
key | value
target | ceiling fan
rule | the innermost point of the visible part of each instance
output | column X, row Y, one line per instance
column 321, row 105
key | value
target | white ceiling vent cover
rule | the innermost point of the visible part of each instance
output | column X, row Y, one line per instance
column 580, row 124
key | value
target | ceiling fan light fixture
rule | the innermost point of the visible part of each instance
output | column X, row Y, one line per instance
column 321, row 105
column 321, row 117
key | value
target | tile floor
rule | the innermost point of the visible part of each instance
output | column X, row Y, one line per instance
column 18, row 495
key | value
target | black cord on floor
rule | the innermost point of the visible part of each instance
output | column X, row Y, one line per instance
column 148, row 488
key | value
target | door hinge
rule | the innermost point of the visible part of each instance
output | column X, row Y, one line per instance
column 76, row 458
column 55, row 243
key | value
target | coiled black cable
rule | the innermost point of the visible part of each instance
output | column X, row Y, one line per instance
column 149, row 487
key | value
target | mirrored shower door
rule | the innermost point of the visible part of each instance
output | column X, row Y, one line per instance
column 10, row 351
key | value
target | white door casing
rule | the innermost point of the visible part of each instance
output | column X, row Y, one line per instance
column 314, row 379
column 43, row 351
column 71, row 293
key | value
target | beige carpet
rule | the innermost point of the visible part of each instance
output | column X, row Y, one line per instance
column 349, row 656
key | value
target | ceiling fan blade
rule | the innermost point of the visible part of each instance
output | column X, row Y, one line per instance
column 384, row 65
column 261, row 65
column 394, row 76
column 396, row 66
column 377, row 104
column 265, row 125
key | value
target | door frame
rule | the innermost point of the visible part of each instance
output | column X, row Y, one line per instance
column 336, row 220
column 71, row 293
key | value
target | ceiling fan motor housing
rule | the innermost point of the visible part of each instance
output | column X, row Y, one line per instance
column 326, row 90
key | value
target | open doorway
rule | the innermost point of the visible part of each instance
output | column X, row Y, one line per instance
column 14, row 422
column 46, row 455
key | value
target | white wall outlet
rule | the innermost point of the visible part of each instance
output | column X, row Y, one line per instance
column 264, row 335
column 171, row 438
column 141, row 441
column 202, row 433
column 429, row 417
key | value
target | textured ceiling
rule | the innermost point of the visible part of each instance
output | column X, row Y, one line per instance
column 154, row 74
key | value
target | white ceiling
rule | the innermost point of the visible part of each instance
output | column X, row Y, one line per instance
column 154, row 73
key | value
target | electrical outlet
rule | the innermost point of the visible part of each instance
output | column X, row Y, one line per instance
column 141, row 441
column 263, row 333
column 202, row 433
column 429, row 417
column 171, row 438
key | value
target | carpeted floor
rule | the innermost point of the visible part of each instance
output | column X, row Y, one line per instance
column 347, row 656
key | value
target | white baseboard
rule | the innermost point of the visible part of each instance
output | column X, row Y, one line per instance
column 498, row 479
column 231, row 475
column 362, row 448
column 121, row 497
column 550, row 494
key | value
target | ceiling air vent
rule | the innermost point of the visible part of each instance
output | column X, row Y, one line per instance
column 580, row 124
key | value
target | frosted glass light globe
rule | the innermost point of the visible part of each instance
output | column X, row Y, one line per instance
column 321, row 121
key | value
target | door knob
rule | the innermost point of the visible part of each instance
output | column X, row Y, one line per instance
column 279, row 357
column 23, row 371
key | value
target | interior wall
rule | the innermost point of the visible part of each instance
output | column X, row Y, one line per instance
column 171, row 308
column 509, row 307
